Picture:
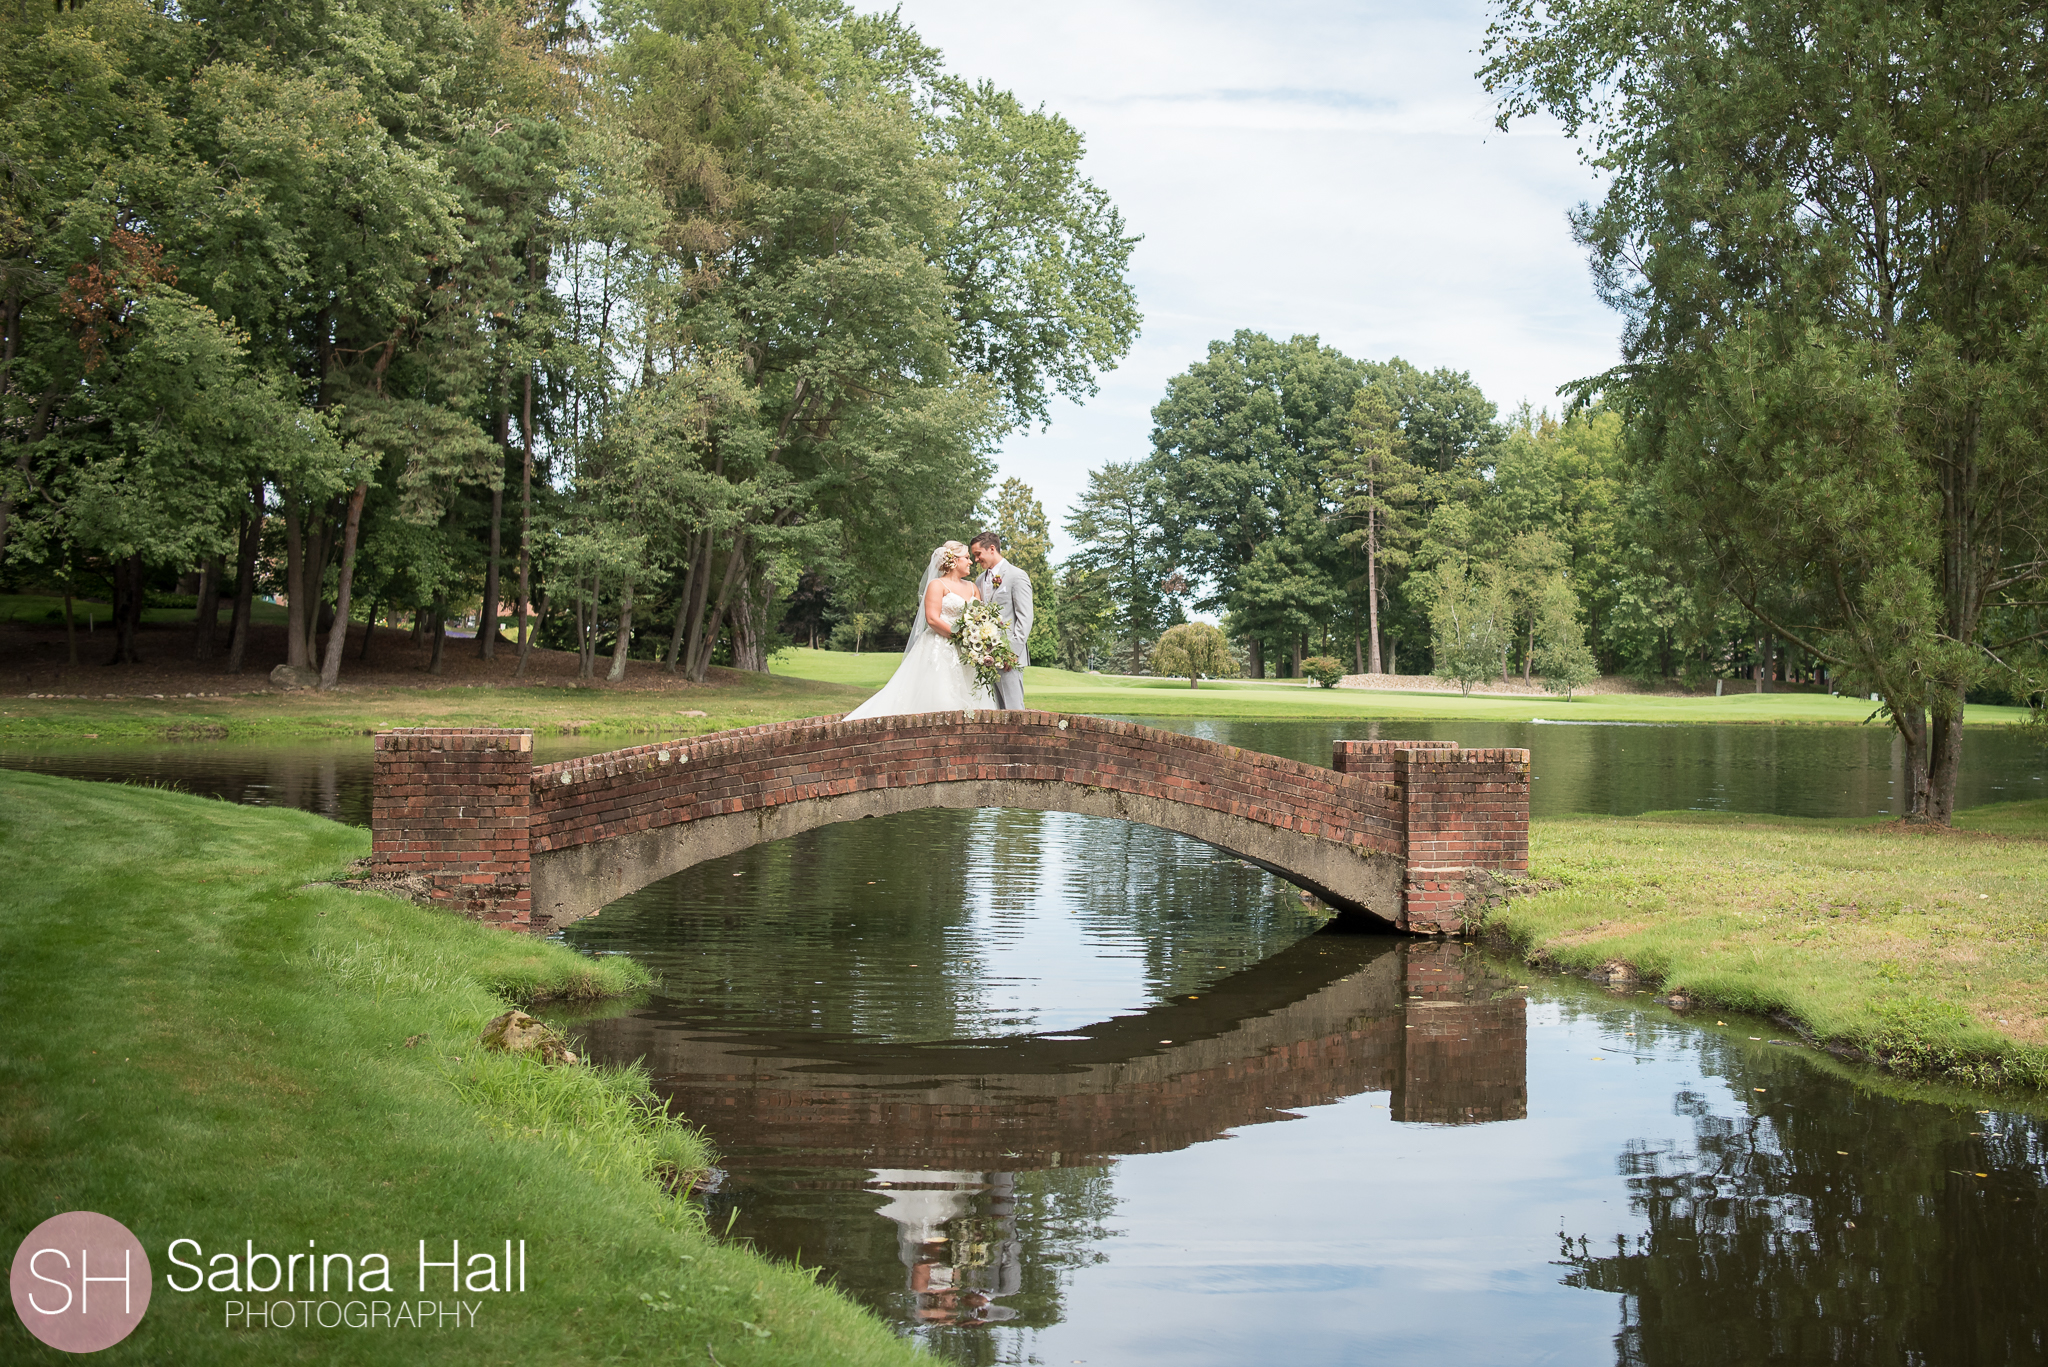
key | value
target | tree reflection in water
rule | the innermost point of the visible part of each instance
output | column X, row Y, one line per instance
column 859, row 1017
column 1827, row 1225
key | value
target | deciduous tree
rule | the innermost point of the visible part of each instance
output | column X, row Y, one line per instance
column 1825, row 229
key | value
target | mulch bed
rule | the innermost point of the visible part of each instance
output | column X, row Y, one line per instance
column 33, row 660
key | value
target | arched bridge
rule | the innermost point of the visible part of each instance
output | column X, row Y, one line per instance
column 1408, row 832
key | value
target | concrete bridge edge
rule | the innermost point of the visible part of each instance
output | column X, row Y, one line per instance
column 571, row 883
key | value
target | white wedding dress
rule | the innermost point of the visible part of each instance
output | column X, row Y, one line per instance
column 932, row 677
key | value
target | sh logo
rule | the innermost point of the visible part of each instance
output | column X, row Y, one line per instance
column 80, row 1281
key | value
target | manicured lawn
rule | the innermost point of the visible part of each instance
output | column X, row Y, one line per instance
column 1060, row 690
column 204, row 1047
column 551, row 709
column 1927, row 947
column 809, row 683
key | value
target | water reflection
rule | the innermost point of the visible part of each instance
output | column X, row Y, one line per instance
column 899, row 1163
column 1044, row 1088
column 925, row 1044
column 1331, row 1016
column 1623, row 769
column 1825, row 1225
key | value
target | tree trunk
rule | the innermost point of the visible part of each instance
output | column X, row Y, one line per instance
column 70, row 627
column 525, row 636
column 1372, row 589
column 525, row 512
column 586, row 627
column 245, row 578
column 439, row 609
column 1358, row 653
column 1945, row 761
column 1393, row 665
column 127, row 609
column 701, row 650
column 749, row 617
column 369, row 629
column 317, row 543
column 487, row 616
column 206, row 614
column 618, row 669
column 690, row 601
column 1529, row 652
column 1258, row 660
column 337, row 639
column 1912, row 727
column 294, row 585
column 1764, row 663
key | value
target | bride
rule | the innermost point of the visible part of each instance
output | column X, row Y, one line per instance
column 933, row 677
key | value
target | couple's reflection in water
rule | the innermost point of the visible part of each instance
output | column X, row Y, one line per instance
column 955, row 1278
column 933, row 1137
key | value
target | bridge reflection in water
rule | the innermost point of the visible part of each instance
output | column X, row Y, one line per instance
column 932, row 1135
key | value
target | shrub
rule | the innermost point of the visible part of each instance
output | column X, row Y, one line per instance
column 1323, row 669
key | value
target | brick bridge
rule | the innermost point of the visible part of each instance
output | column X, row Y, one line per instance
column 1407, row 832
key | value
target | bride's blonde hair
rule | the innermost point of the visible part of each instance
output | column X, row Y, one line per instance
column 953, row 551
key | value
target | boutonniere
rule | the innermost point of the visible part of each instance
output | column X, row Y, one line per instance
column 995, row 581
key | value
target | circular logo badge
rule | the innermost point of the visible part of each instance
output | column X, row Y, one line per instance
column 80, row 1281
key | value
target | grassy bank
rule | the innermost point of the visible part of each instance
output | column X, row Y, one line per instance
column 732, row 700
column 202, row 1046
column 1923, row 948
column 1061, row 690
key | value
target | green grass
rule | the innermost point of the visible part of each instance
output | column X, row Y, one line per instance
column 807, row 683
column 203, row 1045
column 1920, row 947
column 733, row 699
column 1061, row 690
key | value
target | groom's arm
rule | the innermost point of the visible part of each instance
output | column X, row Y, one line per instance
column 1020, row 616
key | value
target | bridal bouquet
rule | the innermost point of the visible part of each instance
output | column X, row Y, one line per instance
column 984, row 642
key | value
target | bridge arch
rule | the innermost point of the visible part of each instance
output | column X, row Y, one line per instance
column 1408, row 833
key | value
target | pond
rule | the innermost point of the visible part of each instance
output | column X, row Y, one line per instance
column 1053, row 1089
column 1575, row 767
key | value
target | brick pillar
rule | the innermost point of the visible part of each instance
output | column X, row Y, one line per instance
column 453, row 804
column 1376, row 759
column 1464, row 810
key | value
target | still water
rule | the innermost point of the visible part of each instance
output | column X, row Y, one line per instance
column 1619, row 769
column 1053, row 1089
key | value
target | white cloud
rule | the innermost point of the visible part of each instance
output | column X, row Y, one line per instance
column 1316, row 167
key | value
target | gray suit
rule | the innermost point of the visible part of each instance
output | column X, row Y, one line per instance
column 1012, row 598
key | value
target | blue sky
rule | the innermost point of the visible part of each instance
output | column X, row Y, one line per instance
column 1313, row 167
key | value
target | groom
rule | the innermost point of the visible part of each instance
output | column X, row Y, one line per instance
column 1009, row 588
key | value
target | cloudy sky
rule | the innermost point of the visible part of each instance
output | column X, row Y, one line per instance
column 1323, row 166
